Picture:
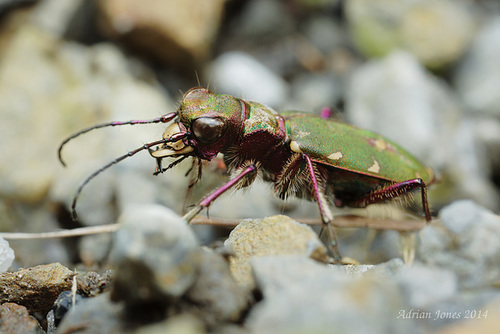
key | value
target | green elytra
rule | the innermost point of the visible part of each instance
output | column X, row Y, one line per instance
column 357, row 150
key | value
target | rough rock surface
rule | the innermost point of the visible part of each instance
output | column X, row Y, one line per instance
column 270, row 236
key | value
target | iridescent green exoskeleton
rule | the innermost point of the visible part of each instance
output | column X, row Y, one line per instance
column 319, row 159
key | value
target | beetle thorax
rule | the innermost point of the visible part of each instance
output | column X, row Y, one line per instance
column 261, row 118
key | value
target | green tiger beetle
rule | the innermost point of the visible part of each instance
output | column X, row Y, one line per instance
column 307, row 156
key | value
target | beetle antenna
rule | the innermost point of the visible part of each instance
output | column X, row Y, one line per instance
column 162, row 119
column 146, row 146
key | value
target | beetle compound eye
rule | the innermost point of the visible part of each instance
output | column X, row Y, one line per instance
column 208, row 129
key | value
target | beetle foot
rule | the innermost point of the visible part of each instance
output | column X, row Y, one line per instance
column 158, row 169
column 192, row 213
column 332, row 244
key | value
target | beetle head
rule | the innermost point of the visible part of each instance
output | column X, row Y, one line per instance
column 214, row 121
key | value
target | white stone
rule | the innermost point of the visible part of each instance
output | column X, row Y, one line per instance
column 6, row 255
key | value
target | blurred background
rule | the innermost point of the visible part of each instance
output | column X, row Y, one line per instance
column 423, row 73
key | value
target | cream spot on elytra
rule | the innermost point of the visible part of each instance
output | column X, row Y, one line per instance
column 294, row 146
column 303, row 134
column 335, row 155
column 380, row 144
column 375, row 168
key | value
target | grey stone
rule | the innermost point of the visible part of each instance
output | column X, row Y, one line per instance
column 182, row 324
column 474, row 307
column 155, row 254
column 94, row 315
column 436, row 32
column 44, row 98
column 54, row 16
column 6, row 255
column 275, row 274
column 397, row 90
column 472, row 165
column 132, row 99
column 460, row 217
column 388, row 269
column 356, row 270
column 478, row 75
column 314, row 92
column 300, row 295
column 397, row 98
column 303, row 296
column 241, row 75
column 262, row 18
column 94, row 249
column 424, row 286
column 25, row 85
column 218, row 297
column 270, row 236
column 153, row 28
column 466, row 241
column 325, row 33
column 64, row 302
column 34, row 219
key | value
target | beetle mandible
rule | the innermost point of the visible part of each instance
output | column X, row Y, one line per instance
column 322, row 160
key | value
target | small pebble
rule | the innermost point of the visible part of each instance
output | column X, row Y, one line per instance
column 155, row 255
column 276, row 235
column 241, row 75
column 466, row 240
column 6, row 255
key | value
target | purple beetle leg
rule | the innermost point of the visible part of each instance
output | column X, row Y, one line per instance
column 195, row 176
column 326, row 214
column 326, row 113
column 219, row 191
column 396, row 190
column 158, row 168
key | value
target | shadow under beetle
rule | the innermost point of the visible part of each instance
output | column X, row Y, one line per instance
column 306, row 156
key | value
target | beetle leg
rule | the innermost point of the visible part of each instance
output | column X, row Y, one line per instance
column 158, row 168
column 395, row 190
column 249, row 170
column 197, row 177
column 326, row 214
column 195, row 173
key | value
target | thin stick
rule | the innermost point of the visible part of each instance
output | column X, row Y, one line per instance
column 77, row 232
column 339, row 221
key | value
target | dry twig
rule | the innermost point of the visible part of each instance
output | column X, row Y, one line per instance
column 340, row 221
